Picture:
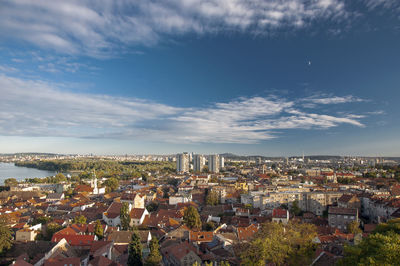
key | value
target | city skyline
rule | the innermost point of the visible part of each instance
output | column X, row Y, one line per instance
column 259, row 78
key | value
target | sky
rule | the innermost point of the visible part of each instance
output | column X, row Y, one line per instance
column 250, row 77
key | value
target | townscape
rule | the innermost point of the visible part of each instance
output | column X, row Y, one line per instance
column 192, row 209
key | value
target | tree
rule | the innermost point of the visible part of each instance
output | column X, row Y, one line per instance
column 124, row 216
column 10, row 182
column 154, row 257
column 79, row 220
column 42, row 220
column 152, row 207
column 98, row 229
column 191, row 217
column 135, row 251
column 295, row 208
column 279, row 244
column 209, row 226
column 353, row 228
column 60, row 177
column 212, row 198
column 111, row 184
column 51, row 228
column 5, row 236
column 376, row 249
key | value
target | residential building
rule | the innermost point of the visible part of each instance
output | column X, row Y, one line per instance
column 182, row 163
column 214, row 163
column 198, row 162
column 340, row 217
column 280, row 216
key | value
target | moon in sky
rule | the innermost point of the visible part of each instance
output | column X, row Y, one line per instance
column 309, row 63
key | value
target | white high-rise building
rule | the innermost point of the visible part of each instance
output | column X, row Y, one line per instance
column 221, row 162
column 213, row 163
column 182, row 163
column 198, row 162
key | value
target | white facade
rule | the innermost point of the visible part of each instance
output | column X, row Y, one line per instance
column 221, row 162
column 213, row 163
column 182, row 163
column 198, row 162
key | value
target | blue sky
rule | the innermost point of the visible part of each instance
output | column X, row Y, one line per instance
column 248, row 77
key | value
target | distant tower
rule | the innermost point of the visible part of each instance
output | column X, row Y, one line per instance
column 221, row 162
column 213, row 163
column 182, row 163
column 198, row 162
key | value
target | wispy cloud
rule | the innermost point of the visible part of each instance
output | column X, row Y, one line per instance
column 313, row 101
column 98, row 28
column 8, row 69
column 37, row 108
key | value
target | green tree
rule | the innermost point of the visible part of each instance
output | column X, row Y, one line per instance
column 209, row 226
column 295, row 209
column 5, row 236
column 124, row 216
column 279, row 244
column 353, row 228
column 191, row 217
column 79, row 220
column 52, row 228
column 154, row 257
column 376, row 249
column 60, row 177
column 212, row 198
column 98, row 229
column 135, row 251
column 152, row 207
column 10, row 182
column 111, row 184
column 42, row 220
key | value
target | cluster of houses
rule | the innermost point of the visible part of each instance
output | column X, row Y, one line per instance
column 157, row 209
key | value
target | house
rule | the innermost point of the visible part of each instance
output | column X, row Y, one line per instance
column 54, row 197
column 103, row 261
column 62, row 262
column 76, row 240
column 111, row 216
column 339, row 217
column 200, row 236
column 120, row 237
column 246, row 233
column 137, row 216
column 349, row 201
column 101, row 248
column 26, row 234
column 134, row 200
column 280, row 215
column 183, row 254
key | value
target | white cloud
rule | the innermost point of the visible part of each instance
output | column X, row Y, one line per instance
column 312, row 102
column 98, row 28
column 37, row 108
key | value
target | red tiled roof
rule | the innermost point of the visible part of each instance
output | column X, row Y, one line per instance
column 201, row 236
column 246, row 233
column 137, row 213
column 75, row 240
column 342, row 211
column 62, row 262
column 179, row 251
column 279, row 213
column 83, row 188
column 114, row 210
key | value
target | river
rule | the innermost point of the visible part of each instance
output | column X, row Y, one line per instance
column 8, row 170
